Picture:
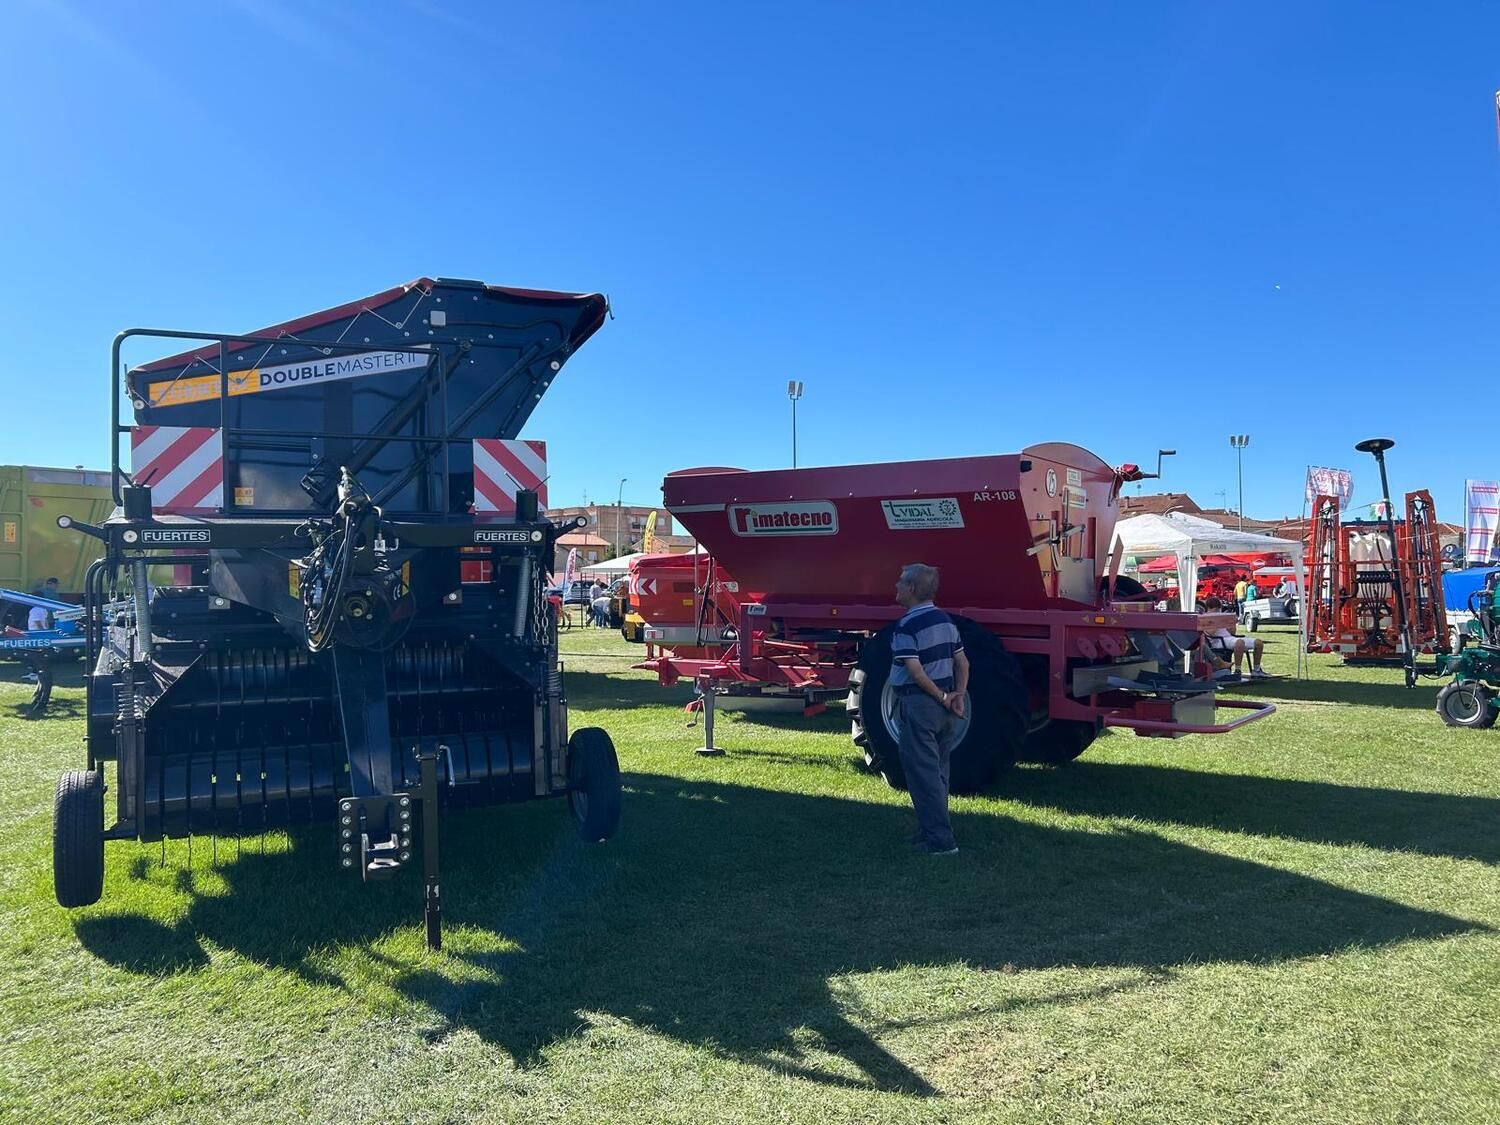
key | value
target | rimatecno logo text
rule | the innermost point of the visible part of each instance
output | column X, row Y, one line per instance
column 795, row 517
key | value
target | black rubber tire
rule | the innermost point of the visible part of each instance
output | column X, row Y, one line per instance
column 1252, row 624
column 78, row 838
column 593, row 784
column 997, row 705
column 1456, row 705
column 1060, row 741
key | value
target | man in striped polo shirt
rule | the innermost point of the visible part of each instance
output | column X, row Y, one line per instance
column 930, row 675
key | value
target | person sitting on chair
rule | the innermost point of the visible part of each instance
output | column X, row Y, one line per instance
column 1224, row 645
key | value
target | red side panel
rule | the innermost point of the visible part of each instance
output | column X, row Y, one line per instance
column 840, row 535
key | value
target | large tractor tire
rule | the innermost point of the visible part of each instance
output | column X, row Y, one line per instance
column 1465, row 703
column 990, row 735
column 1057, row 742
column 593, row 784
column 78, row 838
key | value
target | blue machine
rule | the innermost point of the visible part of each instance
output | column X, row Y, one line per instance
column 1460, row 585
column 64, row 637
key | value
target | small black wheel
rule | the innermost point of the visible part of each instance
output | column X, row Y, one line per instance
column 1059, row 741
column 78, row 838
column 1465, row 703
column 593, row 784
column 1252, row 623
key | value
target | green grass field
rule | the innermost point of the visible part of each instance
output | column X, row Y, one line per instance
column 1296, row 922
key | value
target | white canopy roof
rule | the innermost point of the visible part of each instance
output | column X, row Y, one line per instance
column 1177, row 534
column 1189, row 538
column 620, row 565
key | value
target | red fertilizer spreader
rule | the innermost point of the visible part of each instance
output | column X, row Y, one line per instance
column 1060, row 647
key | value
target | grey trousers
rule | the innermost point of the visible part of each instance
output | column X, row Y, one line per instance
column 926, row 745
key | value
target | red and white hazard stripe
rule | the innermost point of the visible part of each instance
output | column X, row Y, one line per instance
column 183, row 465
column 503, row 465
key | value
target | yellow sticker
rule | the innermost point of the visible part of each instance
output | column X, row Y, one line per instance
column 201, row 388
column 244, row 497
column 10, row 531
column 293, row 580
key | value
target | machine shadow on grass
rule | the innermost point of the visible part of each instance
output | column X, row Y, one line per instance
column 1437, row 824
column 64, row 704
column 601, row 690
column 722, row 914
column 1423, row 697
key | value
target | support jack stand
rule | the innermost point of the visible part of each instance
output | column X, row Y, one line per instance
column 433, row 892
column 706, row 695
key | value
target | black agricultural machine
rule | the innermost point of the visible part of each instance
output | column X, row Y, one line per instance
column 321, row 593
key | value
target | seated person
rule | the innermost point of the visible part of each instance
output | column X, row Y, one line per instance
column 1222, row 645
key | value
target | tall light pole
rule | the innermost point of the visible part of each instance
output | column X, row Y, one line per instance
column 1239, row 441
column 619, row 514
column 794, row 392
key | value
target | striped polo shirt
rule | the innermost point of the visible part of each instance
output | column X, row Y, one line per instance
column 929, row 634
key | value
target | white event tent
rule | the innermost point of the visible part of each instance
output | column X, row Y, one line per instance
column 620, row 566
column 615, row 567
column 1190, row 538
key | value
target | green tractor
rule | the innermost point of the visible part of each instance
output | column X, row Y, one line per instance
column 1472, row 699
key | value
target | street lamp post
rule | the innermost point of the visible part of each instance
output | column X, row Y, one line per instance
column 1377, row 447
column 794, row 392
column 1239, row 441
column 619, row 514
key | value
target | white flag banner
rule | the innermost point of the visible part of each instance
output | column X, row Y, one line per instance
column 1482, row 519
column 1330, row 482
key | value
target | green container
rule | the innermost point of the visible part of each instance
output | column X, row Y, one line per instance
column 32, row 547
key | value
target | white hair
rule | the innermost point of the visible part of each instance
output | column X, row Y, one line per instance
column 922, row 579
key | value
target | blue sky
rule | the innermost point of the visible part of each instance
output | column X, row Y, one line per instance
column 967, row 228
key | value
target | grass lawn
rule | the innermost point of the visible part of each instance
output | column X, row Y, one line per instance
column 1296, row 922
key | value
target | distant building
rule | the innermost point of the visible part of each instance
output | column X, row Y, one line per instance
column 1158, row 504
column 618, row 530
column 1180, row 503
column 591, row 549
column 675, row 544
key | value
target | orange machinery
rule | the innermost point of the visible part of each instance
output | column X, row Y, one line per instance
column 1353, row 575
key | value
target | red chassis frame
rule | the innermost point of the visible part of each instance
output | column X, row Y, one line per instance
column 819, row 670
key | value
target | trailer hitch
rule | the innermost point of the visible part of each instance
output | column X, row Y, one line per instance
column 380, row 828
